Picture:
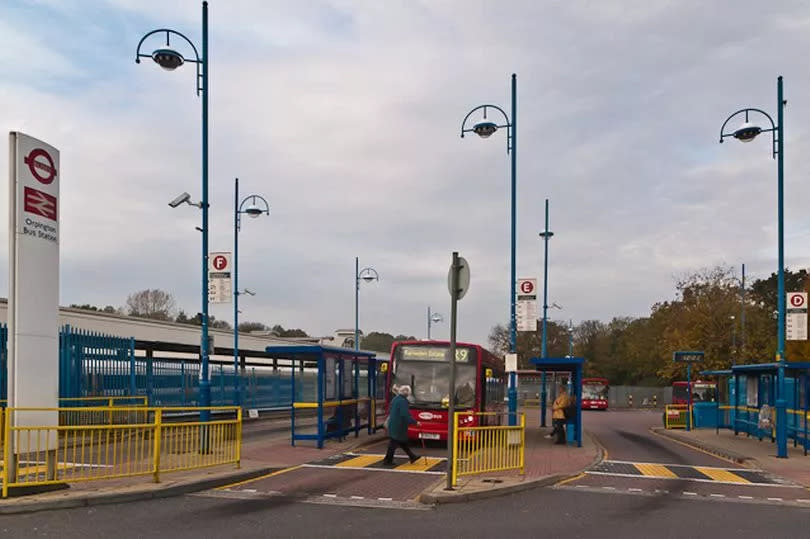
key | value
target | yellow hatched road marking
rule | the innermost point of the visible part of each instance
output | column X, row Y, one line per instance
column 654, row 470
column 721, row 475
column 360, row 462
column 424, row 463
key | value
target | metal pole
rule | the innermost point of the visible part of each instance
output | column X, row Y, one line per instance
column 451, row 406
column 571, row 338
column 742, row 310
column 356, row 303
column 513, row 327
column 780, row 353
column 733, row 341
column 512, row 392
column 428, row 322
column 689, row 396
column 543, row 351
column 205, row 385
column 781, row 410
column 237, row 382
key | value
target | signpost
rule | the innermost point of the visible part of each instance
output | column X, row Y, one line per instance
column 458, row 282
column 796, row 327
column 527, row 304
column 220, row 289
column 688, row 357
column 33, row 303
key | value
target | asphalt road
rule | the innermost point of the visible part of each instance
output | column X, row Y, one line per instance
column 642, row 463
column 572, row 510
column 537, row 513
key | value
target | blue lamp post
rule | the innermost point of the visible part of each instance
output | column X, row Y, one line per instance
column 570, row 338
column 253, row 206
column 368, row 275
column 432, row 318
column 546, row 235
column 169, row 59
column 746, row 133
column 485, row 129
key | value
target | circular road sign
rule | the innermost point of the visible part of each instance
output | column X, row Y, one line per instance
column 220, row 262
column 41, row 165
column 463, row 278
column 797, row 300
column 526, row 287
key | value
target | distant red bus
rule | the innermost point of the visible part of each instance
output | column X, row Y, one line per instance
column 425, row 366
column 595, row 393
column 702, row 391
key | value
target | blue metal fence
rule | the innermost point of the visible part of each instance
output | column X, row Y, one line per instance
column 95, row 364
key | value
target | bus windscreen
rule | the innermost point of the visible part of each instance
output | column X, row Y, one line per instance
column 427, row 370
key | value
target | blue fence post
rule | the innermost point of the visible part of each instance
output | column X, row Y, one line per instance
column 133, row 385
column 4, row 362
column 150, row 378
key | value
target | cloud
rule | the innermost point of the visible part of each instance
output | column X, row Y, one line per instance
column 345, row 116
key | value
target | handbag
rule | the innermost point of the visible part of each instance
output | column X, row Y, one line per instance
column 570, row 411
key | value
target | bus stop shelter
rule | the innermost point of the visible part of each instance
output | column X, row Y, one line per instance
column 745, row 389
column 346, row 385
column 572, row 365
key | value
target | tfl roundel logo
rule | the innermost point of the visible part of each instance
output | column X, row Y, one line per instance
column 41, row 165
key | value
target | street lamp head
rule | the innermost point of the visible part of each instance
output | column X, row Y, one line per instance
column 368, row 275
column 747, row 132
column 436, row 318
column 250, row 292
column 485, row 129
column 546, row 234
column 253, row 211
column 168, row 59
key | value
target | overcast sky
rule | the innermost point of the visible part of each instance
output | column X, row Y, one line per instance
column 346, row 116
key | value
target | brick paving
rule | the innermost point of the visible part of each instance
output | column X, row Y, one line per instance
column 272, row 452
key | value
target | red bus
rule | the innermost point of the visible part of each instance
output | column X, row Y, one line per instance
column 425, row 366
column 595, row 394
column 702, row 391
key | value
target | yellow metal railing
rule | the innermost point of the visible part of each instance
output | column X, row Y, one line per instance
column 41, row 454
column 676, row 416
column 486, row 448
column 96, row 411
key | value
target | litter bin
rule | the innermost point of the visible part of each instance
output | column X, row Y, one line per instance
column 704, row 415
column 571, row 432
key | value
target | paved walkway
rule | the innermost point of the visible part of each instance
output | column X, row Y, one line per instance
column 748, row 451
column 269, row 460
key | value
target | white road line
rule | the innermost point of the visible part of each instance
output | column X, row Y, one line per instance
column 586, row 486
column 803, row 501
column 329, row 495
column 746, row 497
column 609, row 488
column 661, row 491
column 775, row 499
column 386, row 499
column 689, row 493
column 250, row 490
column 357, row 497
column 634, row 490
column 717, row 495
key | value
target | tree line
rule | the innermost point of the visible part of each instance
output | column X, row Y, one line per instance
column 157, row 304
column 706, row 314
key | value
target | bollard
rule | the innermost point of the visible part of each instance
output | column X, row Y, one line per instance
column 630, row 400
